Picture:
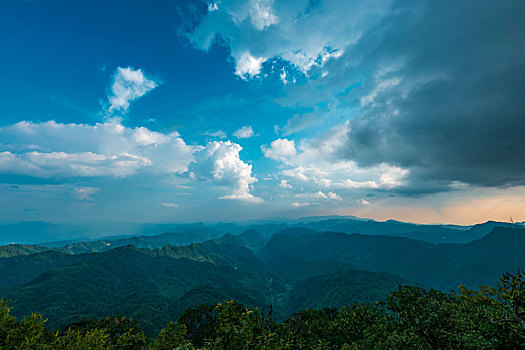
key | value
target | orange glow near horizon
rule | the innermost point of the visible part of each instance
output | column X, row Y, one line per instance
column 466, row 209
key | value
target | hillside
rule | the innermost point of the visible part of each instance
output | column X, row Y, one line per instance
column 441, row 266
column 341, row 288
column 298, row 268
column 112, row 282
column 21, row 269
column 11, row 250
column 157, row 285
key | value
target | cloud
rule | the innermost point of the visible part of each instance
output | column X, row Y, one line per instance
column 363, row 201
column 248, row 66
column 443, row 99
column 319, row 194
column 317, row 162
column 51, row 149
column 213, row 6
column 280, row 149
column 220, row 162
column 169, row 205
column 218, row 134
column 85, row 193
column 298, row 204
column 284, row 184
column 244, row 132
column 128, row 85
column 300, row 34
column 435, row 86
column 299, row 122
column 261, row 14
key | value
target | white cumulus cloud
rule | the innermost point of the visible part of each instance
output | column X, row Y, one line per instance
column 220, row 162
column 128, row 85
column 51, row 149
column 280, row 149
column 248, row 66
column 316, row 163
column 244, row 133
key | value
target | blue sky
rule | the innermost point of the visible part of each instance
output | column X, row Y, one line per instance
column 177, row 111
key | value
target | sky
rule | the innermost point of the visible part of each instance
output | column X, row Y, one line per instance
column 184, row 111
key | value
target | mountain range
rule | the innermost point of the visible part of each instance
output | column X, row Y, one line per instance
column 155, row 278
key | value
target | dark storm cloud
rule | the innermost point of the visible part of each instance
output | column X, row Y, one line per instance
column 450, row 101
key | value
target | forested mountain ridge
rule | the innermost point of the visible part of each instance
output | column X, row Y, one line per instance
column 126, row 279
column 296, row 269
column 441, row 266
column 408, row 318
column 151, row 285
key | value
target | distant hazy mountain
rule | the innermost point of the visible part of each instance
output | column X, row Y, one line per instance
column 58, row 235
column 441, row 266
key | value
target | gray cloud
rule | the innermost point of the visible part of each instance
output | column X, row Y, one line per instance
column 445, row 93
column 435, row 87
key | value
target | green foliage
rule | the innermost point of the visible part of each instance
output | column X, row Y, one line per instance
column 409, row 318
column 119, row 332
column 172, row 337
column 153, row 286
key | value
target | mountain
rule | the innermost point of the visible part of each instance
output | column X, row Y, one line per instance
column 21, row 269
column 441, row 266
column 58, row 234
column 292, row 270
column 11, row 250
column 252, row 239
column 297, row 268
column 428, row 233
column 61, row 234
column 157, row 285
column 341, row 288
column 150, row 242
column 128, row 280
